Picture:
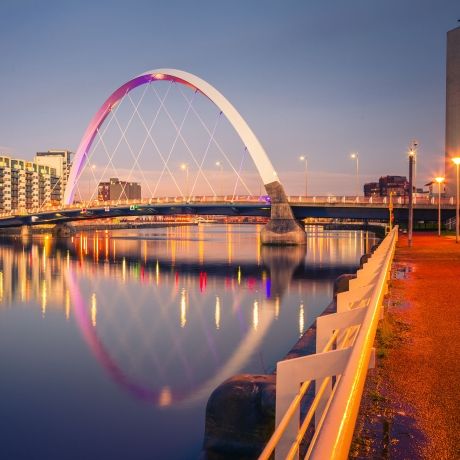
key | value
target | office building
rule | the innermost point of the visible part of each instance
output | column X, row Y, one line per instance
column 397, row 185
column 452, row 147
column 371, row 189
column 116, row 189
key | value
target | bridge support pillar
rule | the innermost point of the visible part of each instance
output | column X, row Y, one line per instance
column 63, row 230
column 282, row 229
column 26, row 231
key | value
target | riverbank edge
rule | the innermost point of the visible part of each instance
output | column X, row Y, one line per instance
column 240, row 414
column 38, row 229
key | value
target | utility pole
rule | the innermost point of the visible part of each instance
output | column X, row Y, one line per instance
column 412, row 155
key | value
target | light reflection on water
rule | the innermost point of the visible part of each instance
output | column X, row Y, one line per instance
column 167, row 315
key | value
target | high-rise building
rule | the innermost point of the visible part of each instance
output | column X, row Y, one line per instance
column 452, row 148
column 117, row 189
column 371, row 189
column 396, row 185
column 26, row 185
column 61, row 161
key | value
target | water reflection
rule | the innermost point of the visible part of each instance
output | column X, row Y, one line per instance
column 169, row 314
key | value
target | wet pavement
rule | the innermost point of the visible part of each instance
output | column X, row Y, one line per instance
column 411, row 406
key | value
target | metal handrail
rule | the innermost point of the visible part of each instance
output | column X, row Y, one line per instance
column 366, row 329
column 280, row 429
column 334, row 438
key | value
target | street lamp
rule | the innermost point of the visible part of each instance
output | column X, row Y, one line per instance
column 456, row 160
column 412, row 154
column 304, row 158
column 221, row 167
column 184, row 167
column 355, row 156
column 439, row 180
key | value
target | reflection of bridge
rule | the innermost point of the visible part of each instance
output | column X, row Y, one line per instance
column 360, row 208
column 39, row 272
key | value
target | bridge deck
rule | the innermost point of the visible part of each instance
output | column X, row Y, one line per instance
column 361, row 208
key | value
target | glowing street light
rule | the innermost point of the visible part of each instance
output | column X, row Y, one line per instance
column 184, row 167
column 439, row 180
column 411, row 154
column 456, row 160
column 221, row 167
column 355, row 156
column 304, row 158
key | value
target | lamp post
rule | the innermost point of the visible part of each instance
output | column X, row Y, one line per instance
column 456, row 160
column 439, row 180
column 304, row 158
column 184, row 167
column 412, row 153
column 355, row 156
column 221, row 167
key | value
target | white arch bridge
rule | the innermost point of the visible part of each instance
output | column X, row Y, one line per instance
column 283, row 227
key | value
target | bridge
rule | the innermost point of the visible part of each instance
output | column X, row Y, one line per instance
column 359, row 208
column 284, row 212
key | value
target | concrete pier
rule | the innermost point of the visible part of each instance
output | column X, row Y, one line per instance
column 282, row 229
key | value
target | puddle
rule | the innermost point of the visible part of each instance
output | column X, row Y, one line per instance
column 401, row 272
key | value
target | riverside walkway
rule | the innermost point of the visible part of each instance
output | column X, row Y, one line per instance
column 411, row 405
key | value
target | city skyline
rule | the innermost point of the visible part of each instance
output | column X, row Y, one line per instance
column 322, row 102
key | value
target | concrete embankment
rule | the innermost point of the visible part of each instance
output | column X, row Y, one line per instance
column 240, row 414
column 411, row 403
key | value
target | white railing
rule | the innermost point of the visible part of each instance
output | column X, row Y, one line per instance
column 349, row 201
column 344, row 344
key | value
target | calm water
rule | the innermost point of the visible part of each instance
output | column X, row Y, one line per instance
column 111, row 343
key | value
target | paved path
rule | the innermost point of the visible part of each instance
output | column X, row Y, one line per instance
column 419, row 376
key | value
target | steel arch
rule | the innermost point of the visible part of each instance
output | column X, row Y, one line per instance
column 255, row 149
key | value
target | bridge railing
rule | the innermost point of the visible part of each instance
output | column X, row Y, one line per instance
column 398, row 201
column 338, row 370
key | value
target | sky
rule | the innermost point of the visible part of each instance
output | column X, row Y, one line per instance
column 317, row 78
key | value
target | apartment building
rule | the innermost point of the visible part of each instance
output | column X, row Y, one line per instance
column 27, row 185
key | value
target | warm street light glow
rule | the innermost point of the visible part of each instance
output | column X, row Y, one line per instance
column 184, row 167
column 355, row 156
column 439, row 180
column 304, row 158
column 456, row 160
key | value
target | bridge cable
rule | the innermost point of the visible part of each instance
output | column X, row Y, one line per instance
column 123, row 136
column 179, row 132
column 88, row 157
column 206, row 152
column 172, row 145
column 217, row 144
column 238, row 176
column 149, row 135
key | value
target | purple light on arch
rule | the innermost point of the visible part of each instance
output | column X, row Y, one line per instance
column 110, row 103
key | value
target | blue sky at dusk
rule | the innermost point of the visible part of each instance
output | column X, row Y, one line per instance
column 320, row 78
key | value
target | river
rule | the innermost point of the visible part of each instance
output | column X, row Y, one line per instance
column 112, row 342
